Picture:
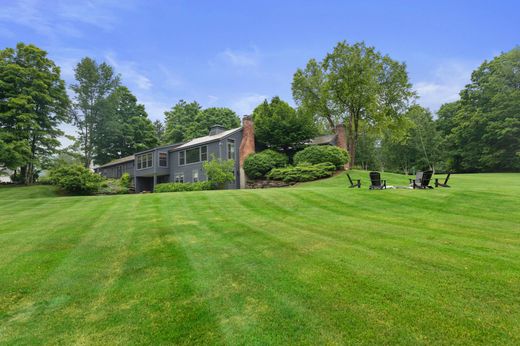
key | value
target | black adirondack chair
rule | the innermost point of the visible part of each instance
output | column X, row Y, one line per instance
column 375, row 181
column 424, row 183
column 352, row 184
column 417, row 180
column 445, row 184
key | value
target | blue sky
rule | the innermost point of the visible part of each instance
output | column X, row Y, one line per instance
column 236, row 53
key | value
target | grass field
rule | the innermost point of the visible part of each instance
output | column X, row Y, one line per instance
column 313, row 264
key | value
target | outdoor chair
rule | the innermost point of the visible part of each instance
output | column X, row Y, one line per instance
column 352, row 184
column 375, row 181
column 424, row 183
column 445, row 184
column 417, row 180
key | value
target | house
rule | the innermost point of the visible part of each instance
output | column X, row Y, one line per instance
column 182, row 162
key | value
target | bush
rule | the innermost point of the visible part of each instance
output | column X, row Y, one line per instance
column 219, row 172
column 76, row 179
column 125, row 180
column 179, row 187
column 303, row 172
column 112, row 187
column 258, row 165
column 320, row 154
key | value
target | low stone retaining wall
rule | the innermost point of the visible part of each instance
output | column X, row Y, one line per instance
column 265, row 184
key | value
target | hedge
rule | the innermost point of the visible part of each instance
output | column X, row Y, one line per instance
column 181, row 187
column 258, row 165
column 303, row 172
column 320, row 154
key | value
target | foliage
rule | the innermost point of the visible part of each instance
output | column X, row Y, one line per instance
column 186, row 121
column 160, row 131
column 354, row 83
column 112, row 187
column 181, row 187
column 122, row 128
column 76, row 179
column 279, row 126
column 315, row 154
column 219, row 172
column 482, row 130
column 302, row 172
column 126, row 180
column 95, row 83
column 33, row 103
column 418, row 150
column 259, row 164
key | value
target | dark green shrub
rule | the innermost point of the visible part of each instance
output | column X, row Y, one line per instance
column 303, row 172
column 180, row 187
column 258, row 165
column 76, row 179
column 112, row 187
column 322, row 153
column 125, row 180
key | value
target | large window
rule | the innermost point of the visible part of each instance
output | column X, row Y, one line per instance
column 193, row 155
column 163, row 159
column 145, row 161
column 230, row 149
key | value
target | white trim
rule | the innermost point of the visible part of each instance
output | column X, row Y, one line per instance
column 159, row 159
column 186, row 156
column 140, row 156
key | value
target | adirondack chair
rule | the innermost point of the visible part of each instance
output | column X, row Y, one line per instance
column 417, row 180
column 352, row 184
column 425, row 181
column 375, row 181
column 445, row 184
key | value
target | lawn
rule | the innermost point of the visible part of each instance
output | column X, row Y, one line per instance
column 313, row 264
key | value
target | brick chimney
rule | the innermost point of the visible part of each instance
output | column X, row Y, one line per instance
column 341, row 139
column 247, row 146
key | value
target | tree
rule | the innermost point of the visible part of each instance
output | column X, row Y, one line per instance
column 180, row 119
column 354, row 83
column 95, row 82
column 219, row 172
column 33, row 103
column 159, row 131
column 208, row 117
column 123, row 127
column 482, row 130
column 279, row 126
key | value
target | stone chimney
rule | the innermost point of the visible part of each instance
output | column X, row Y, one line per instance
column 247, row 146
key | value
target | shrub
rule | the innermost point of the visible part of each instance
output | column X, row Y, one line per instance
column 76, row 179
column 258, row 165
column 320, row 154
column 219, row 172
column 303, row 172
column 125, row 180
column 112, row 187
column 178, row 187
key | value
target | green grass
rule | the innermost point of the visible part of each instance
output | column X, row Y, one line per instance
column 314, row 264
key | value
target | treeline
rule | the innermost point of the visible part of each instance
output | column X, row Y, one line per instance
column 354, row 86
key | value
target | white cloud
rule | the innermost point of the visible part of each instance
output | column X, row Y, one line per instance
column 212, row 99
column 129, row 72
column 445, row 84
column 168, row 77
column 245, row 105
column 240, row 58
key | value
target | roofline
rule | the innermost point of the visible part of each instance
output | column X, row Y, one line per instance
column 161, row 147
column 130, row 158
column 206, row 142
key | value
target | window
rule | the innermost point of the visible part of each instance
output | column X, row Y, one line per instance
column 193, row 155
column 145, row 161
column 231, row 149
column 163, row 159
column 179, row 178
column 195, row 175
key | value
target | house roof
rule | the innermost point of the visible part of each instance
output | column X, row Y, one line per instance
column 325, row 139
column 118, row 161
column 167, row 146
column 207, row 139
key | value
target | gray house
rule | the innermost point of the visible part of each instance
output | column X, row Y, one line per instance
column 182, row 162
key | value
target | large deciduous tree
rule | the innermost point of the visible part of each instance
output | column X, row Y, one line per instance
column 354, row 83
column 33, row 103
column 482, row 129
column 281, row 127
column 95, row 83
